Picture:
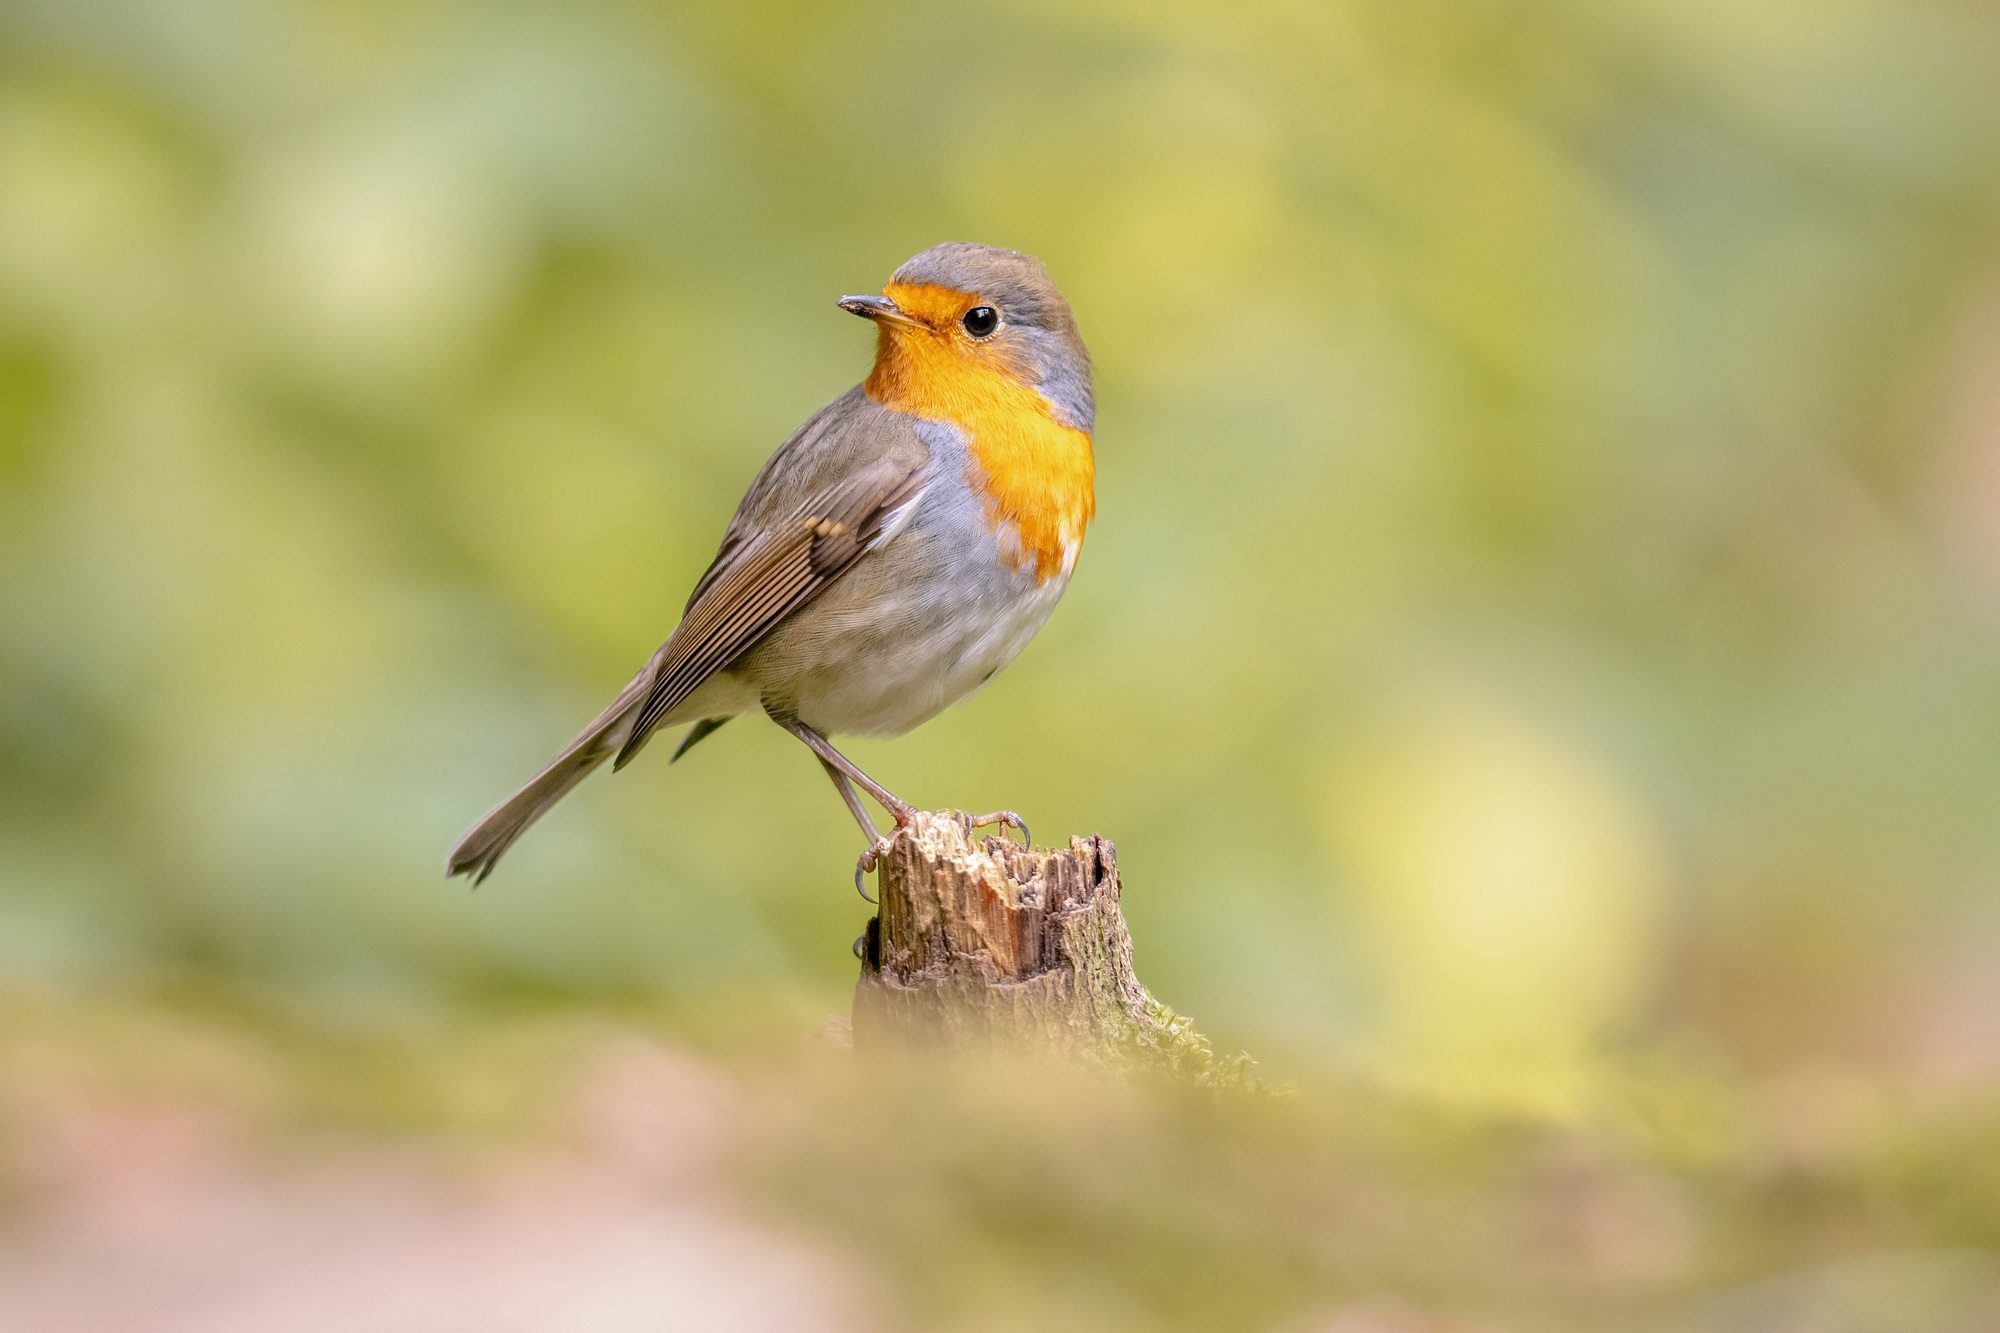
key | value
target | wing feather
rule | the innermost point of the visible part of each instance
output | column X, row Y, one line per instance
column 758, row 581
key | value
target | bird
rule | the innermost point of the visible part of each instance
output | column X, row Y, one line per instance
column 893, row 554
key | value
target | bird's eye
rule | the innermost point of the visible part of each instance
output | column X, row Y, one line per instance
column 981, row 320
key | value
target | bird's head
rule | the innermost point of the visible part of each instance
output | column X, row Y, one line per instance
column 960, row 316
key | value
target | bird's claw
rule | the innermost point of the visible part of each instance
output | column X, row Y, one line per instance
column 1004, row 818
column 869, row 860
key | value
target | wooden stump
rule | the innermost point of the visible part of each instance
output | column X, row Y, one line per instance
column 986, row 946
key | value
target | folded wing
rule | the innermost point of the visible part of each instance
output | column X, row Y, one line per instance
column 755, row 582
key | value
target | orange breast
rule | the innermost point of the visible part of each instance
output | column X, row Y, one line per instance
column 1038, row 473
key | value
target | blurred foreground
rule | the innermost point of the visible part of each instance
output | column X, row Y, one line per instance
column 180, row 1169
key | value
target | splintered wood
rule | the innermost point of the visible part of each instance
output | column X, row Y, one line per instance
column 987, row 945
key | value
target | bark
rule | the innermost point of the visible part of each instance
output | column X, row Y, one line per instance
column 985, row 946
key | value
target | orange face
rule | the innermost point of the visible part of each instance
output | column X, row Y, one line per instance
column 1035, row 471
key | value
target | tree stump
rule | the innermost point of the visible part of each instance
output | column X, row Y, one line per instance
column 991, row 946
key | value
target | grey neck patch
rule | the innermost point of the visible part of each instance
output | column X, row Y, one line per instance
column 1062, row 377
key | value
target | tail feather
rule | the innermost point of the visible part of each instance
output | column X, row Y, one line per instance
column 481, row 848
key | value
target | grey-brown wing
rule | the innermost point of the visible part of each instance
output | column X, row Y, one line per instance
column 761, row 579
column 816, row 457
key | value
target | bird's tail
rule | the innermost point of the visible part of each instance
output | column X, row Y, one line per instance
column 481, row 848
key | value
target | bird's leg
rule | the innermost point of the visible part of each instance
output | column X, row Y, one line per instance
column 840, row 768
column 854, row 806
column 900, row 811
column 860, row 813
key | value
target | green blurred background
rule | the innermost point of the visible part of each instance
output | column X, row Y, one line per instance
column 1543, row 616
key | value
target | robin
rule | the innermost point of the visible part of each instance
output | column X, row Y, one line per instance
column 899, row 549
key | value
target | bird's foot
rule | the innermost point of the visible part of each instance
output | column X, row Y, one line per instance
column 1006, row 819
column 869, row 860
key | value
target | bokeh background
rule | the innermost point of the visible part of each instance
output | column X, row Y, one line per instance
column 1538, row 656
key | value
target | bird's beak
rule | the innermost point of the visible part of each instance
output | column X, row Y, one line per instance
column 878, row 308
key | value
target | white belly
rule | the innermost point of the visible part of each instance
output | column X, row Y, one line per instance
column 887, row 686
column 916, row 625
column 910, row 630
